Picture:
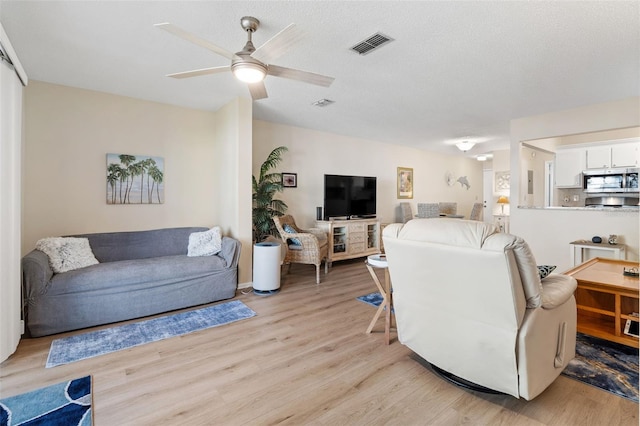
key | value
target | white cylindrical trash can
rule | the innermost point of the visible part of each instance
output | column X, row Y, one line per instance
column 266, row 268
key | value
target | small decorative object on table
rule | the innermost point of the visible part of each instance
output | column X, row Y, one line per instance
column 630, row 272
column 596, row 240
column 613, row 239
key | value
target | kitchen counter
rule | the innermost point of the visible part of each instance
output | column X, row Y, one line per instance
column 628, row 209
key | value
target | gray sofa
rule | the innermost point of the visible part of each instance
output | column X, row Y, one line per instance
column 140, row 273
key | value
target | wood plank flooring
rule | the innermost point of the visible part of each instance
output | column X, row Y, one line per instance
column 304, row 359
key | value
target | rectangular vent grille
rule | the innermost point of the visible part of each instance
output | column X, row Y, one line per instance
column 323, row 103
column 372, row 43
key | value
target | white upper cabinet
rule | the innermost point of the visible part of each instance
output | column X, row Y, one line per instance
column 625, row 155
column 618, row 155
column 569, row 166
column 599, row 157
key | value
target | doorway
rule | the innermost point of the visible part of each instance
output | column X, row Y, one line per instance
column 487, row 196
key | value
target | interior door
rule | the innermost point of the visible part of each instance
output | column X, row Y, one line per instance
column 487, row 196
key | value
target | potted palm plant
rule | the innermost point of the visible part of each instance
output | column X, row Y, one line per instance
column 265, row 207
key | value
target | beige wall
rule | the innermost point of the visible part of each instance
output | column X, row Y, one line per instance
column 231, row 166
column 312, row 154
column 69, row 131
column 549, row 231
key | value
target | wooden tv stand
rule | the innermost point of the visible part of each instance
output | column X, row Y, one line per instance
column 353, row 238
column 606, row 299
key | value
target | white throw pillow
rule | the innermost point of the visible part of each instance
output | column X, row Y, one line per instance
column 67, row 253
column 206, row 243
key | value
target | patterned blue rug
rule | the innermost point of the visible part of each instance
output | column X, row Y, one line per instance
column 89, row 345
column 63, row 404
column 606, row 365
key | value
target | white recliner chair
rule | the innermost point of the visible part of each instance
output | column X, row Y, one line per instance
column 469, row 300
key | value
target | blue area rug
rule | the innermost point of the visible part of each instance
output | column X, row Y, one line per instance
column 606, row 365
column 88, row 345
column 63, row 404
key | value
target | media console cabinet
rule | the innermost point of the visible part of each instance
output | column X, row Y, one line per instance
column 606, row 299
column 349, row 239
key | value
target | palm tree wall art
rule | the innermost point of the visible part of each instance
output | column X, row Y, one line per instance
column 135, row 179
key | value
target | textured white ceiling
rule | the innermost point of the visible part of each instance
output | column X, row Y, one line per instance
column 456, row 70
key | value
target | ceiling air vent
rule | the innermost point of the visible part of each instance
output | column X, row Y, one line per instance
column 372, row 43
column 323, row 103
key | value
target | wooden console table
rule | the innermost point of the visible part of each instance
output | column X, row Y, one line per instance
column 606, row 299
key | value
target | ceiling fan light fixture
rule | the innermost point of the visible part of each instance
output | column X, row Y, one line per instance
column 465, row 146
column 249, row 72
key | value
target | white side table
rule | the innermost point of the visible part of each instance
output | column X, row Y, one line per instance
column 380, row 261
column 502, row 222
column 578, row 248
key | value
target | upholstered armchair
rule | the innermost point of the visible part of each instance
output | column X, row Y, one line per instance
column 302, row 246
column 470, row 301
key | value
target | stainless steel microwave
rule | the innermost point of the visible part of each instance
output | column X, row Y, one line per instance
column 610, row 180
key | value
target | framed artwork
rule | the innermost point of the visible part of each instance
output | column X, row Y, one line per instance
column 502, row 181
column 135, row 179
column 290, row 180
column 405, row 182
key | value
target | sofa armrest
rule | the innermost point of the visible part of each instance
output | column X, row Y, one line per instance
column 230, row 251
column 557, row 289
column 36, row 274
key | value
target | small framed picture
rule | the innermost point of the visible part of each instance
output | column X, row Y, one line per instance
column 405, row 182
column 290, row 180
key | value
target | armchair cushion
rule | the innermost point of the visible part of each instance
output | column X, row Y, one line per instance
column 291, row 241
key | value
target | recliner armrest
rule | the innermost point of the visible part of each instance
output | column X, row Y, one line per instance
column 557, row 289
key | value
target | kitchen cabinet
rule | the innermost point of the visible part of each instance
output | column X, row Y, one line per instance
column 608, row 156
column 569, row 165
column 625, row 155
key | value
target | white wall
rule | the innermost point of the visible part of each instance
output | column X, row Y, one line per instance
column 550, row 231
column 312, row 154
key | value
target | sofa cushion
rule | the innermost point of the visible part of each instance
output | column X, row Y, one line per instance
column 115, row 246
column 67, row 254
column 206, row 243
column 132, row 275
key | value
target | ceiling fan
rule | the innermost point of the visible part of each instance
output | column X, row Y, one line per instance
column 252, row 65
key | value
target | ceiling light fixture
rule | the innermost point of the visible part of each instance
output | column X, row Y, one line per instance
column 249, row 71
column 481, row 158
column 465, row 146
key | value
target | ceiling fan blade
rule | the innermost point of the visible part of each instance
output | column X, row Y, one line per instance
column 307, row 77
column 203, row 71
column 257, row 90
column 278, row 44
column 196, row 40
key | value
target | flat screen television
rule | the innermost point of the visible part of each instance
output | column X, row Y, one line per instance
column 349, row 197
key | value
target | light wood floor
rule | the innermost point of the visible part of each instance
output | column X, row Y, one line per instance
column 304, row 359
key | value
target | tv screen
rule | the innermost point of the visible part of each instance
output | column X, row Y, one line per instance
column 349, row 196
